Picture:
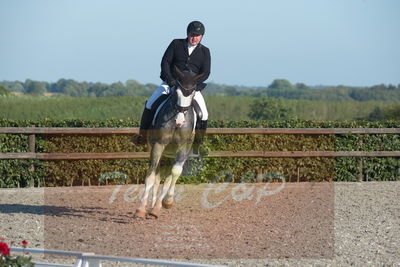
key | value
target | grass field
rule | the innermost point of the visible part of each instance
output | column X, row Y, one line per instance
column 24, row 107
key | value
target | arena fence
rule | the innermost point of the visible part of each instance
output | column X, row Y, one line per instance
column 33, row 131
column 83, row 259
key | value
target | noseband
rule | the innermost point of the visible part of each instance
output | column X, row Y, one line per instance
column 186, row 91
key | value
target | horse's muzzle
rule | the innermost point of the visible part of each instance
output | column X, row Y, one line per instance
column 180, row 119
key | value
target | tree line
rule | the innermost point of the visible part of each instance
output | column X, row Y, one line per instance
column 72, row 88
column 279, row 88
column 280, row 109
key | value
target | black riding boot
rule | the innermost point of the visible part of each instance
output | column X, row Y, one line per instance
column 145, row 123
column 200, row 132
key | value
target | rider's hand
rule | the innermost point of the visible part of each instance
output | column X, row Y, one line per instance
column 201, row 86
column 172, row 83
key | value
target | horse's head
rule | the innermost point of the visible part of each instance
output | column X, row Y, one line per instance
column 185, row 89
column 187, row 81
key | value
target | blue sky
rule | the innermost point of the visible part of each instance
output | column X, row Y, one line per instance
column 329, row 42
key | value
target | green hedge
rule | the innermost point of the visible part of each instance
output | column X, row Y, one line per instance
column 21, row 173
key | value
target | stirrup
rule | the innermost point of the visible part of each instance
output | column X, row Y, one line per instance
column 201, row 150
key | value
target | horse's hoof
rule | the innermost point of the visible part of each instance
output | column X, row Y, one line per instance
column 167, row 204
column 154, row 213
column 141, row 214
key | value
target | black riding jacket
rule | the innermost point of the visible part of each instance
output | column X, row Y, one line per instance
column 177, row 54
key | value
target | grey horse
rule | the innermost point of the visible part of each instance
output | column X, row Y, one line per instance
column 172, row 135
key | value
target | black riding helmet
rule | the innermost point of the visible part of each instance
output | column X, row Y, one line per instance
column 195, row 27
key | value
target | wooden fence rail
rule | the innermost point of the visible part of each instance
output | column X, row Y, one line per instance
column 33, row 131
column 61, row 130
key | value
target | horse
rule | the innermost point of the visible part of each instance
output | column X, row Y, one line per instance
column 171, row 135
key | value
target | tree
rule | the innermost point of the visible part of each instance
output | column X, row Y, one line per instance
column 115, row 89
column 281, row 84
column 70, row 88
column 270, row 109
column 301, row 86
column 4, row 91
column 393, row 113
column 376, row 115
column 133, row 87
column 388, row 113
column 98, row 89
column 232, row 91
column 15, row 86
column 35, row 88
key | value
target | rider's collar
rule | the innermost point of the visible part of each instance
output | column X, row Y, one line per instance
column 191, row 48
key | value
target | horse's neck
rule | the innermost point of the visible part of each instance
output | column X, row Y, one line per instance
column 167, row 113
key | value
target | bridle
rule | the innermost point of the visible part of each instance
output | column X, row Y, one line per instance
column 186, row 90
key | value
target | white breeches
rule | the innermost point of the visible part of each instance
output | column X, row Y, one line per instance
column 164, row 89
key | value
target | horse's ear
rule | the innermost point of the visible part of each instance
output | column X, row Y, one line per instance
column 178, row 72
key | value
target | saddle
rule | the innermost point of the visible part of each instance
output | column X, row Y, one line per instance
column 160, row 102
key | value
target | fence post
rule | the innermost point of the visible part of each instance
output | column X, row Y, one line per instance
column 360, row 169
column 32, row 149
column 87, row 262
column 360, row 160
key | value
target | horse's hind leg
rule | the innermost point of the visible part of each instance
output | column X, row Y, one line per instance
column 155, row 188
column 151, row 178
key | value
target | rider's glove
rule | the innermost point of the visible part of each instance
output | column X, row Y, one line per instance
column 201, row 86
column 172, row 83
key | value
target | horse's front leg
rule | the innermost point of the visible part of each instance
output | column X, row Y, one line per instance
column 176, row 171
column 151, row 178
column 165, row 172
column 168, row 198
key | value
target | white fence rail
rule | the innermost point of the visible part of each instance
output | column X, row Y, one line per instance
column 83, row 259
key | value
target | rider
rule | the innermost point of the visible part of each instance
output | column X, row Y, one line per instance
column 188, row 55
